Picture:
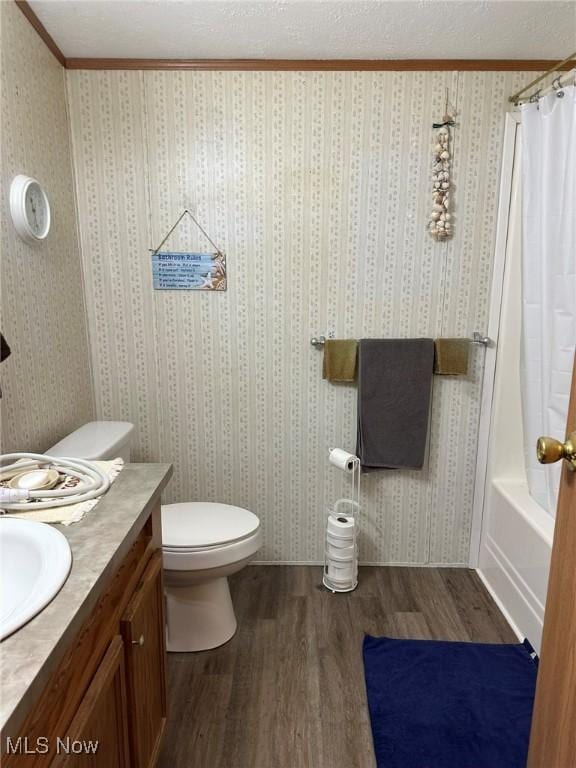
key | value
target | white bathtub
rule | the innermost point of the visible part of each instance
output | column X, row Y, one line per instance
column 515, row 555
column 516, row 533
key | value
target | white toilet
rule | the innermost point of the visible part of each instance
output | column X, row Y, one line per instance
column 96, row 441
column 202, row 543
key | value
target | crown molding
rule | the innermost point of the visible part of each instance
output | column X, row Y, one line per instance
column 317, row 65
column 41, row 30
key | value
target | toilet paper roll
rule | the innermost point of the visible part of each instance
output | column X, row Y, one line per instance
column 339, row 542
column 341, row 527
column 342, row 459
column 340, row 554
column 342, row 572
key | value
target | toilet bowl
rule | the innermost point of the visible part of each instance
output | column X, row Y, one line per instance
column 202, row 544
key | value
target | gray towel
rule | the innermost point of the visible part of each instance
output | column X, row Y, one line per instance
column 394, row 385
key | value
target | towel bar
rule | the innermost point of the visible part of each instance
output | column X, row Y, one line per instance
column 477, row 338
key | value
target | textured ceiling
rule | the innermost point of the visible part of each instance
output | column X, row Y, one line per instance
column 314, row 29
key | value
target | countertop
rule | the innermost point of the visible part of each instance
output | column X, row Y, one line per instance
column 99, row 543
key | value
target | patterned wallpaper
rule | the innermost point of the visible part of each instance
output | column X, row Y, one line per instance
column 46, row 383
column 316, row 185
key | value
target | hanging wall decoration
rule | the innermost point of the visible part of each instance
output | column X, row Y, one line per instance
column 440, row 226
column 188, row 271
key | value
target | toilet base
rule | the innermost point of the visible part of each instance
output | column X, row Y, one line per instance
column 199, row 617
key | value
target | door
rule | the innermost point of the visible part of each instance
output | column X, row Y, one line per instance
column 144, row 635
column 97, row 737
column 553, row 736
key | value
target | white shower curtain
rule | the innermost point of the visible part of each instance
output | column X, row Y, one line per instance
column 548, row 279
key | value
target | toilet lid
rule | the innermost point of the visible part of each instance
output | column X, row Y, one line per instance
column 205, row 524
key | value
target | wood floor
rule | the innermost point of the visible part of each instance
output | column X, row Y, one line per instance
column 288, row 690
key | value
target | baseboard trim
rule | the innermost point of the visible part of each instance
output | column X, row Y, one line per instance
column 362, row 563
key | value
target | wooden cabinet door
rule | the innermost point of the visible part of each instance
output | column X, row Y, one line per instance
column 97, row 736
column 144, row 635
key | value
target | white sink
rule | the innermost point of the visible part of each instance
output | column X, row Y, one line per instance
column 35, row 561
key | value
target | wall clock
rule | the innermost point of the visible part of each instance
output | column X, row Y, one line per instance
column 29, row 208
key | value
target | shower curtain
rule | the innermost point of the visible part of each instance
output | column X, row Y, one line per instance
column 548, row 279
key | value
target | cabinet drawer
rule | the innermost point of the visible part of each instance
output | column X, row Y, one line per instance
column 143, row 630
column 97, row 736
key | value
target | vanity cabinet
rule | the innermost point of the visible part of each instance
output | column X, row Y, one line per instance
column 110, row 684
column 144, row 638
column 100, row 727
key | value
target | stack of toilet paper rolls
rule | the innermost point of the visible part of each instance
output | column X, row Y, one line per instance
column 341, row 563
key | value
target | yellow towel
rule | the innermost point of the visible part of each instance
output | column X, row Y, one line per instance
column 339, row 359
column 451, row 356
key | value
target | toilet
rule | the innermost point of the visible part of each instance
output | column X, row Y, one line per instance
column 202, row 544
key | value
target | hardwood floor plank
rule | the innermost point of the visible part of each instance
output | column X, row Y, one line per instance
column 197, row 719
column 410, row 626
column 395, row 588
column 476, row 608
column 435, row 603
column 288, row 690
column 346, row 745
column 255, row 672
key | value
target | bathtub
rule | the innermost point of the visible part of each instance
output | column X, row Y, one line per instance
column 515, row 555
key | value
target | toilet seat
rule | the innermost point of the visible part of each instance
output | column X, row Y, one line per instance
column 204, row 535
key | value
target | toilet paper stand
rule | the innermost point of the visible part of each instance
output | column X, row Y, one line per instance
column 341, row 538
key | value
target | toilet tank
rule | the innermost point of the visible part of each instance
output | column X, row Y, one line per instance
column 96, row 441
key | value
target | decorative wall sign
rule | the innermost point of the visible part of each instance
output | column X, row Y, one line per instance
column 177, row 271
column 187, row 271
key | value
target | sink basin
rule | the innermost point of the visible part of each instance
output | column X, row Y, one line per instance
column 35, row 561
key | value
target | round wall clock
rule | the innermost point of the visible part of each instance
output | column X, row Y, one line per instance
column 29, row 208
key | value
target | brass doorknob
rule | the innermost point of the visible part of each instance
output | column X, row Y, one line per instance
column 549, row 450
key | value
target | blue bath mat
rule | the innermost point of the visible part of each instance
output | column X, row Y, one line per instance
column 449, row 705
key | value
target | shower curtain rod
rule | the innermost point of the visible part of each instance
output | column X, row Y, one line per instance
column 515, row 97
column 556, row 85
